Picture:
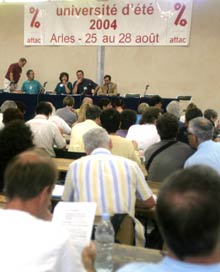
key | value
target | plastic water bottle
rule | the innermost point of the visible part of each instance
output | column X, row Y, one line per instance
column 104, row 239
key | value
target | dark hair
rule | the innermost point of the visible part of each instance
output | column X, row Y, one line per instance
column 128, row 118
column 23, row 60
column 188, row 211
column 110, row 120
column 154, row 100
column 93, row 112
column 28, row 72
column 44, row 108
column 80, row 71
column 28, row 174
column 15, row 138
column 209, row 114
column 103, row 102
column 119, row 102
column 68, row 101
column 108, row 76
column 149, row 116
column 64, row 74
column 10, row 115
column 167, row 126
column 21, row 106
column 193, row 113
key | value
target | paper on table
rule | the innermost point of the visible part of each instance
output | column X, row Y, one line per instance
column 77, row 218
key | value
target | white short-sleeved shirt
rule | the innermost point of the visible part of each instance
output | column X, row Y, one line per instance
column 29, row 244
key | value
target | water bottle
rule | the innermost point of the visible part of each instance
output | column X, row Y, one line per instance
column 104, row 239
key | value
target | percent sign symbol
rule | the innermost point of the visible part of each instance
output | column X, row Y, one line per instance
column 35, row 12
column 179, row 20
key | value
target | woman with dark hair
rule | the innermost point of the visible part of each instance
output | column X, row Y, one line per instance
column 64, row 86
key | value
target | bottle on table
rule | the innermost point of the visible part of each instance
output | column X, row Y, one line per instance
column 104, row 239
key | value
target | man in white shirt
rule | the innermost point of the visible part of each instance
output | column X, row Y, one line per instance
column 46, row 134
column 146, row 133
column 29, row 243
column 92, row 121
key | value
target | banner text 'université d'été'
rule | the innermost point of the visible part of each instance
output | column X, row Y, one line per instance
column 108, row 23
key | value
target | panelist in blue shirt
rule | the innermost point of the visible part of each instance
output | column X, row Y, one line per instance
column 31, row 86
column 64, row 86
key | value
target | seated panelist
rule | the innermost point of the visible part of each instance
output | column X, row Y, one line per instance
column 64, row 86
column 31, row 86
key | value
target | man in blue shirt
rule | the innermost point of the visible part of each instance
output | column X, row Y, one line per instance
column 31, row 86
column 188, row 215
column 200, row 133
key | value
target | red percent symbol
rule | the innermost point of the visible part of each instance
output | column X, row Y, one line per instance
column 35, row 12
column 179, row 20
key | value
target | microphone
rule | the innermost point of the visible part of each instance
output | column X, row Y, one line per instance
column 146, row 88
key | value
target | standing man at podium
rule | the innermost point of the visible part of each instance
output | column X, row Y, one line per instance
column 13, row 75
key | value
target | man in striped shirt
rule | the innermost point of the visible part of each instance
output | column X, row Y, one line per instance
column 113, row 182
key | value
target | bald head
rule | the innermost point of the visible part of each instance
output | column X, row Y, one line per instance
column 188, row 211
column 28, row 174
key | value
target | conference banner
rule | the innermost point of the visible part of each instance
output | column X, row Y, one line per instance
column 108, row 23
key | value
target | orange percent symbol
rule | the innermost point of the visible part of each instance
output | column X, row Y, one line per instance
column 35, row 12
column 179, row 20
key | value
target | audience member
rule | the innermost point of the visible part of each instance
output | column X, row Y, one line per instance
column 212, row 116
column 156, row 101
column 64, row 86
column 200, row 131
column 58, row 121
column 78, row 130
column 7, row 104
column 67, row 113
column 108, row 88
column 21, row 107
column 174, row 108
column 84, row 85
column 113, row 182
column 127, row 118
column 110, row 120
column 142, row 107
column 10, row 115
column 189, row 107
column 38, row 245
column 169, row 155
column 15, row 138
column 145, row 134
column 119, row 104
column 13, row 75
column 190, row 114
column 105, row 103
column 31, row 86
column 46, row 134
column 188, row 215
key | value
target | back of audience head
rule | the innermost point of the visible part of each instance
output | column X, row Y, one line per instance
column 21, row 107
column 211, row 115
column 188, row 212
column 128, row 118
column 15, row 138
column 193, row 113
column 10, row 115
column 142, row 107
column 96, row 138
column 150, row 116
column 202, row 129
column 191, row 106
column 119, row 103
column 110, row 120
column 30, row 176
column 8, row 104
column 93, row 112
column 174, row 108
column 68, row 101
column 44, row 108
column 105, row 103
column 156, row 101
column 87, row 100
column 167, row 126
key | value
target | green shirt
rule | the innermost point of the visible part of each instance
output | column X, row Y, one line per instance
column 31, row 87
